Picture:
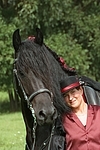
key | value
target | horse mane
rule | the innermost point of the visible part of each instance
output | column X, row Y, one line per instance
column 46, row 70
column 68, row 70
column 61, row 61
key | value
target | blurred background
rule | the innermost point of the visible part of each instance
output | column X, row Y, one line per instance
column 70, row 28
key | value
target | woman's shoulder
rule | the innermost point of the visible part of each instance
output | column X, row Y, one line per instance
column 94, row 107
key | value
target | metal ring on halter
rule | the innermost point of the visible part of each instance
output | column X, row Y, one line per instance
column 38, row 92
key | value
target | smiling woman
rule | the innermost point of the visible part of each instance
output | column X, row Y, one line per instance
column 83, row 118
column 12, row 131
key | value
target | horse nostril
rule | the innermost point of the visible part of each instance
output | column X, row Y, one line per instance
column 48, row 115
column 42, row 114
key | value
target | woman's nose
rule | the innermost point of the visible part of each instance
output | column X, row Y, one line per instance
column 70, row 97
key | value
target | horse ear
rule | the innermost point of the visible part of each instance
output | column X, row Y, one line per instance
column 16, row 40
column 39, row 37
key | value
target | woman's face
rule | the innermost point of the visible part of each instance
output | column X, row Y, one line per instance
column 74, row 97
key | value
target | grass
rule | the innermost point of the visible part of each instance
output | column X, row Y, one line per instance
column 12, row 131
column 12, row 127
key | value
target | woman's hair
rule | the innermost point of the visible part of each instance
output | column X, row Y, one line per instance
column 77, row 88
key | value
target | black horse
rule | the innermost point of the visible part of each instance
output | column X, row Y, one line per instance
column 37, row 71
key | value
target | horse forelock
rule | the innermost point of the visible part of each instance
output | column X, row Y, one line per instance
column 34, row 57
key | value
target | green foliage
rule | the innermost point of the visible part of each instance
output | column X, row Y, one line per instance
column 72, row 52
column 9, row 12
column 80, row 20
column 6, row 54
column 71, row 28
column 27, row 13
column 3, row 96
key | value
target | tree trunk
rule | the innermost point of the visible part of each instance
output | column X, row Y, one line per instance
column 14, row 100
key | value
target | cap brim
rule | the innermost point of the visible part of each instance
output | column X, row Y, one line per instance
column 71, row 86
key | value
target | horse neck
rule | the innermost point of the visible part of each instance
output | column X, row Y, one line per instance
column 42, row 135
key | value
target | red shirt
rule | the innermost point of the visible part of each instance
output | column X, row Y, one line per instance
column 79, row 137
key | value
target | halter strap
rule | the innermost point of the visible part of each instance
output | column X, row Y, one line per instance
column 38, row 92
column 29, row 99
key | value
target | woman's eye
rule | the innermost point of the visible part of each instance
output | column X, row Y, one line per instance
column 73, row 91
column 65, row 95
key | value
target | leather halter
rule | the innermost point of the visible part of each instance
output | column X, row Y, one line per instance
column 29, row 99
column 38, row 92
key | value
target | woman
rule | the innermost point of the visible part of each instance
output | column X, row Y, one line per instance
column 81, row 124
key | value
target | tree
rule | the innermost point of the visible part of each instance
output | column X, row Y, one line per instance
column 70, row 27
column 78, row 19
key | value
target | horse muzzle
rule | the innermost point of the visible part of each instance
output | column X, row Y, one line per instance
column 46, row 116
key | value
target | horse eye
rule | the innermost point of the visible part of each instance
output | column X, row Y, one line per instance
column 21, row 74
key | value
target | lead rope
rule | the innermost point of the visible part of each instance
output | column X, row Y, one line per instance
column 20, row 84
column 27, row 147
column 34, row 126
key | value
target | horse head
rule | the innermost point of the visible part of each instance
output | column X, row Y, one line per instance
column 32, row 85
